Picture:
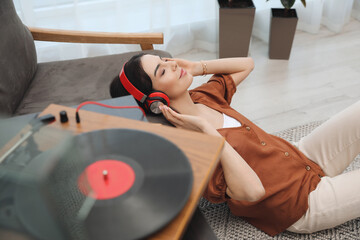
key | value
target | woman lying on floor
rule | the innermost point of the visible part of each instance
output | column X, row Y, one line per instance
column 273, row 184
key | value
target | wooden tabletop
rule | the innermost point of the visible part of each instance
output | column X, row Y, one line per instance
column 202, row 150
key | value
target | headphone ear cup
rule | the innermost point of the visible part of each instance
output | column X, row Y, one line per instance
column 160, row 96
column 154, row 99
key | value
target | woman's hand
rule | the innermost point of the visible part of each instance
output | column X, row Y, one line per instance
column 194, row 68
column 188, row 122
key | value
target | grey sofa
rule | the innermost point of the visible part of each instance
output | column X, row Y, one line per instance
column 27, row 86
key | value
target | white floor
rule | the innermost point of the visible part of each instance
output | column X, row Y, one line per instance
column 321, row 78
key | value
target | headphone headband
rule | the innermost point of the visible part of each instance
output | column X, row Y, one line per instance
column 131, row 88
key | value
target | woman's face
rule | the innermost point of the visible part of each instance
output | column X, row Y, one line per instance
column 166, row 76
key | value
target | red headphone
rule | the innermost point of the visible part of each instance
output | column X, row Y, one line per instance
column 151, row 102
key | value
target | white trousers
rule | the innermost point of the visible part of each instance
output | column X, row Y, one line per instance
column 333, row 146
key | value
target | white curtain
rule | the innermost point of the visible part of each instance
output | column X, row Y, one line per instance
column 186, row 24
column 333, row 14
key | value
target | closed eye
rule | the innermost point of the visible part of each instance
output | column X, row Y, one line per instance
column 163, row 72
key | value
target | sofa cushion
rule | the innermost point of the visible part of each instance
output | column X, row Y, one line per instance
column 18, row 60
column 74, row 81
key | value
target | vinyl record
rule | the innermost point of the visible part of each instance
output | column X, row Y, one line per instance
column 118, row 184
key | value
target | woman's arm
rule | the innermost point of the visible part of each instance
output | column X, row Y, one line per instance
column 242, row 181
column 238, row 68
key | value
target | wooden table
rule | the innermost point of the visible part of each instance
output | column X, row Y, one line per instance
column 202, row 150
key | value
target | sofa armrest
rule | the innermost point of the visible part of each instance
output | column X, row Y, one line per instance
column 146, row 40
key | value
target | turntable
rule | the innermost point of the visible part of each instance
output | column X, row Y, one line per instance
column 132, row 182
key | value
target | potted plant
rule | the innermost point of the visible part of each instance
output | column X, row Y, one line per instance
column 282, row 29
column 236, row 19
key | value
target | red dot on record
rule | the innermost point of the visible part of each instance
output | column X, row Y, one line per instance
column 106, row 179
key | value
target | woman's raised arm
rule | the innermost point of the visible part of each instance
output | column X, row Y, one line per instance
column 239, row 68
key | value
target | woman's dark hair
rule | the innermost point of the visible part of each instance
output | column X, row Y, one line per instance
column 136, row 75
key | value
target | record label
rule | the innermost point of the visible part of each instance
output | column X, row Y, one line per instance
column 106, row 179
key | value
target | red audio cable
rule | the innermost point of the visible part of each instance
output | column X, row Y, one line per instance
column 103, row 105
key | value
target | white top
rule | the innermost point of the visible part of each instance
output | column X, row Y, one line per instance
column 230, row 122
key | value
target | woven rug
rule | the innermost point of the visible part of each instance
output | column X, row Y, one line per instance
column 227, row 226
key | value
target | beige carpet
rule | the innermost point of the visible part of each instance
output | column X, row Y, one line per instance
column 227, row 226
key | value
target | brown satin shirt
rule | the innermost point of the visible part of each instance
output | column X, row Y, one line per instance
column 287, row 175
